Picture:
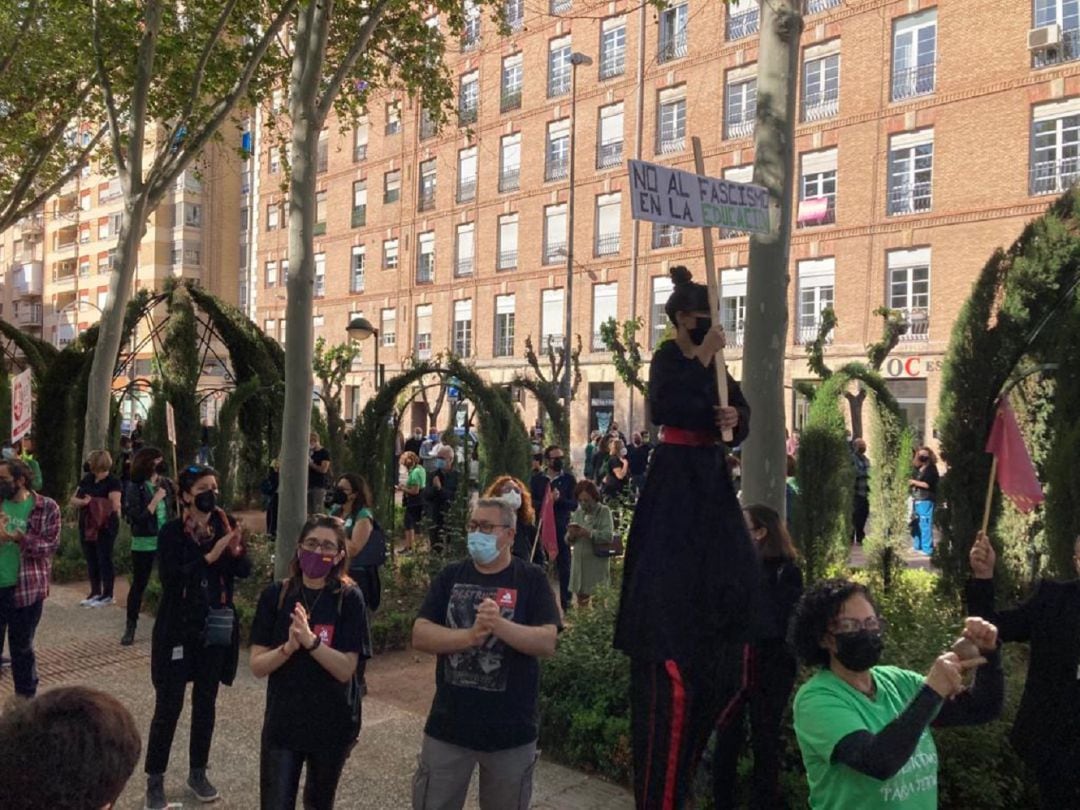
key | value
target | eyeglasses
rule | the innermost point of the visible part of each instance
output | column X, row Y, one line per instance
column 855, row 625
column 326, row 547
column 485, row 526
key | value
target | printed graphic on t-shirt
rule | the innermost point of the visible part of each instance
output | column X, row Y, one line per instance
column 325, row 632
column 478, row 667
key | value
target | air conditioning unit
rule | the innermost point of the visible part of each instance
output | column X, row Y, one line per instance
column 1044, row 39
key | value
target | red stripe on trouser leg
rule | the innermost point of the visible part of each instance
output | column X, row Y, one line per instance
column 678, row 721
column 744, row 688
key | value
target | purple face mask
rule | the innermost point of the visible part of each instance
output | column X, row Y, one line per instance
column 316, row 564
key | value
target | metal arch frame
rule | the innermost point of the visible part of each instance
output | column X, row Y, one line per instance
column 12, row 362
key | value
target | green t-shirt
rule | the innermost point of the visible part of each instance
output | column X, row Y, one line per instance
column 350, row 521
column 150, row 543
column 18, row 515
column 417, row 477
column 827, row 709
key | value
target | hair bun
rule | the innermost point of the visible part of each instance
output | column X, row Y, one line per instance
column 680, row 275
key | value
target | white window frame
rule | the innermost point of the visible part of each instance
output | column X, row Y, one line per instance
column 605, row 306
column 388, row 326
column 608, row 221
column 558, row 67
column 913, row 66
column 553, row 214
column 816, row 290
column 910, row 272
column 911, row 173
column 740, row 105
column 612, row 47
column 463, row 327
column 820, row 86
column 504, row 325
column 671, row 120
column 552, row 317
column 464, row 249
column 357, row 268
column 662, row 287
column 1055, row 162
column 507, row 247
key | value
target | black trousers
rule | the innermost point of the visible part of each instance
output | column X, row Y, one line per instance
column 21, row 623
column 1059, row 783
column 99, row 564
column 859, row 515
column 562, row 565
column 674, row 708
column 142, row 564
column 169, row 701
column 279, row 777
column 772, row 677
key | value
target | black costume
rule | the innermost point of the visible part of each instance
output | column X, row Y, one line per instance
column 690, row 585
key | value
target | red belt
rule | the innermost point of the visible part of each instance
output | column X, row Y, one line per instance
column 687, row 438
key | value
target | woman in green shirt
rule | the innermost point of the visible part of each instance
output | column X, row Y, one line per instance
column 147, row 498
column 412, row 495
column 590, row 526
column 366, row 547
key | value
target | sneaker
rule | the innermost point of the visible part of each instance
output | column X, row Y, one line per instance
column 101, row 601
column 155, row 793
column 201, row 787
column 90, row 601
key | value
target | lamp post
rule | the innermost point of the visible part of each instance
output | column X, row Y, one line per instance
column 359, row 330
column 575, row 60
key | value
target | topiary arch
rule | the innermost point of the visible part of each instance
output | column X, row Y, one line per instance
column 1023, row 313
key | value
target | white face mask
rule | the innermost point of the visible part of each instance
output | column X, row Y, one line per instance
column 513, row 498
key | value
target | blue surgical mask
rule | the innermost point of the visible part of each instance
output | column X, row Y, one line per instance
column 483, row 548
column 440, row 464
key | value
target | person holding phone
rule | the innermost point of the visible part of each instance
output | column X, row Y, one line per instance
column 591, row 527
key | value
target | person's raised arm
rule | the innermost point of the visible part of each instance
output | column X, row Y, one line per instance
column 1014, row 624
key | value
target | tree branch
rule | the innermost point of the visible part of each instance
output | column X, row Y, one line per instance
column 332, row 88
column 17, row 40
column 140, row 95
column 112, row 114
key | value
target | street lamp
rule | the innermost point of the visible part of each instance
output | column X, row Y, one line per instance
column 575, row 60
column 359, row 330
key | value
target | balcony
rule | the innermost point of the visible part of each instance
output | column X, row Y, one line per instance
column 510, row 180
column 504, row 345
column 27, row 279
column 608, row 155
column 911, row 82
column 467, row 116
column 359, row 152
column 1067, row 51
column 672, row 46
column 614, row 65
column 425, row 268
column 557, row 168
column 553, row 341
column 427, row 200
column 30, row 227
column 359, row 216
column 554, row 253
column 918, row 320
column 510, row 100
column 909, row 199
column 466, row 190
column 807, row 331
column 743, row 24
column 819, row 106
column 607, row 244
column 561, row 6
column 818, row 6
column 816, row 211
column 470, row 42
column 463, row 266
column 666, row 236
column 64, row 271
column 508, row 259
column 1054, row 176
column 28, row 315
column 559, row 84
column 742, row 127
column 671, row 143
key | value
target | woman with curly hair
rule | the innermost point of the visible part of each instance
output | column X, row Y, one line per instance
column 863, row 729
column 514, row 492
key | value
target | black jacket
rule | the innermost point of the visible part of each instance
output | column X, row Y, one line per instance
column 1048, row 720
column 136, row 500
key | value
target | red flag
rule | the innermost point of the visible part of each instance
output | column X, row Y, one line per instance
column 1015, row 470
column 547, row 525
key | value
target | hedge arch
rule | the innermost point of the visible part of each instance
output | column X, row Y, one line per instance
column 1022, row 313
column 548, row 397
column 504, row 443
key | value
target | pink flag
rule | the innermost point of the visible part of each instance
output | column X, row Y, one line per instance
column 1015, row 470
column 547, row 525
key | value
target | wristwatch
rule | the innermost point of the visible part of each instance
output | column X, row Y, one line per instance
column 315, row 646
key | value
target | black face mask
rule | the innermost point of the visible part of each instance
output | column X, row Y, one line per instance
column 860, row 650
column 206, row 501
column 7, row 490
column 700, row 330
column 556, row 464
column 161, row 469
column 336, row 497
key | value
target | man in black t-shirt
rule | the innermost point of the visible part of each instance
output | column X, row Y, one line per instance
column 637, row 454
column 489, row 619
column 318, row 476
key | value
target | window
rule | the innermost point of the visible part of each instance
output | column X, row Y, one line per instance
column 273, row 216
column 740, row 104
column 388, row 326
column 393, row 118
column 320, row 275
column 356, row 271
column 560, row 6
column 909, row 289
column 504, row 325
column 515, row 14
column 558, row 67
column 274, row 160
column 671, row 125
column 555, row 234
column 465, row 249
column 470, row 36
column 661, row 291
column 817, row 189
column 269, row 327
column 742, row 18
column 508, row 244
column 317, row 323
column 510, row 88
column 423, row 332
column 911, row 171
column 390, row 254
column 510, row 162
column 821, row 83
column 1055, row 147
column 673, row 33
column 468, row 98
column 191, row 215
column 360, row 140
column 466, row 188
column 463, row 328
column 245, row 217
column 817, row 279
column 609, row 149
column 1064, row 13
column 427, row 185
column 607, row 224
column 320, row 213
column 323, row 159
column 665, row 236
column 914, row 54
column 613, row 47
column 818, row 6
column 425, row 258
column 557, row 162
column 552, row 318
column 392, row 186
column 733, row 305
column 270, row 273
column 359, row 203
column 604, row 308
column 428, row 125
